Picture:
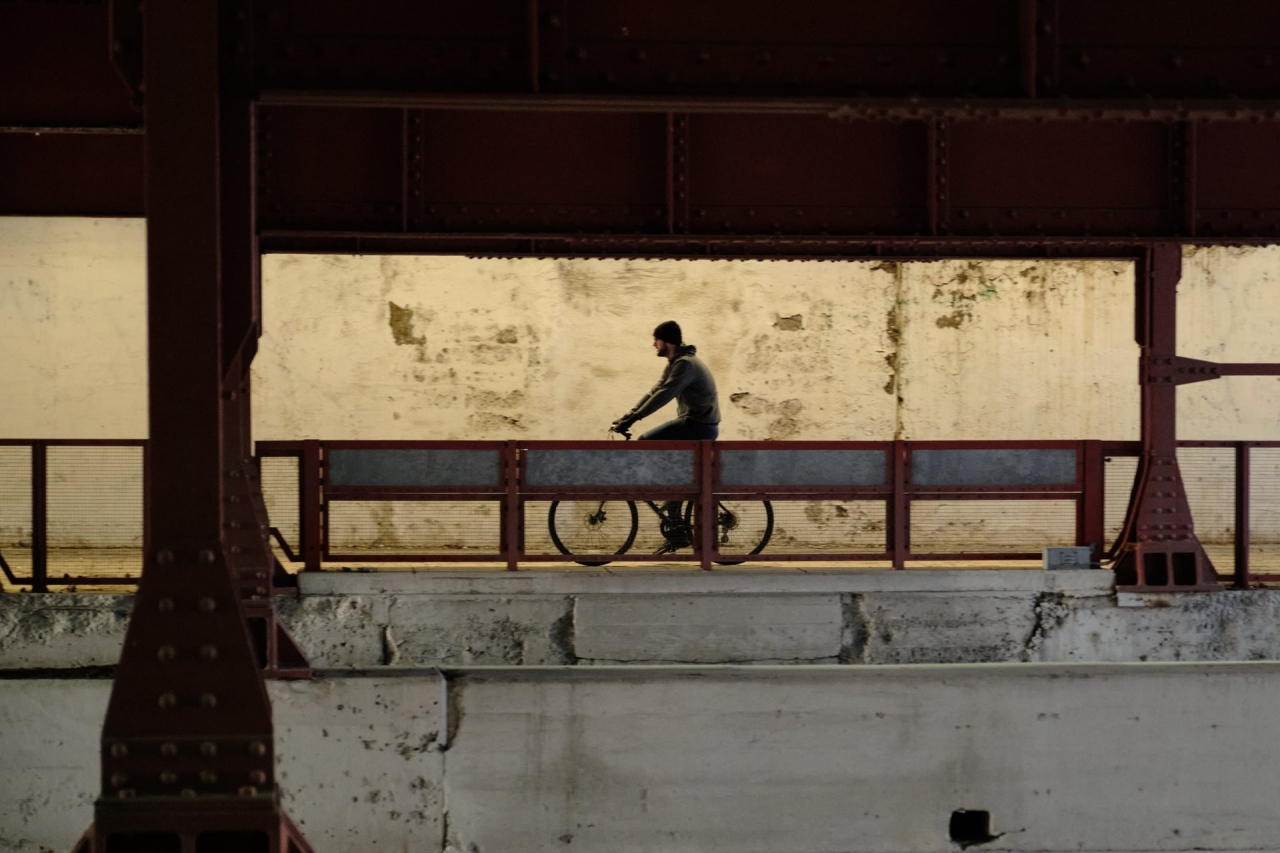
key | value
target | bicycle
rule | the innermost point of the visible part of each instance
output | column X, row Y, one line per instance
column 610, row 526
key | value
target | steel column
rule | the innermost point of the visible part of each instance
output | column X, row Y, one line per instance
column 1158, row 549
column 187, row 742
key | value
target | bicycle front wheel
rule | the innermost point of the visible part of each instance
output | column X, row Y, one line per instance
column 593, row 528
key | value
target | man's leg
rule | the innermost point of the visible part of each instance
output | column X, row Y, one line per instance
column 673, row 430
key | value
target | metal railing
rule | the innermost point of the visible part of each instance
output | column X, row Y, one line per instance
column 893, row 502
column 72, row 512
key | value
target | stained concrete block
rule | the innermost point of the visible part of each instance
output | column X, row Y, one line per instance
column 336, row 631
column 801, row 759
column 1222, row 626
column 464, row 630
column 49, row 754
column 708, row 628
column 359, row 762
column 62, row 630
column 944, row 627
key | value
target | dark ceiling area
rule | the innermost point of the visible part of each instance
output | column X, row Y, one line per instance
column 820, row 128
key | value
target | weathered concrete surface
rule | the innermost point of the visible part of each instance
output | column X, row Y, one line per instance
column 62, row 630
column 360, row 621
column 708, row 628
column 358, row 761
column 1065, row 757
column 842, row 759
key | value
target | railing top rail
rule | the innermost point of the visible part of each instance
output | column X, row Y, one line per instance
column 75, row 442
column 409, row 444
column 608, row 444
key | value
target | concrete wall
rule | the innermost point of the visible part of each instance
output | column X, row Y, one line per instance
column 367, row 621
column 763, row 760
column 405, row 347
column 449, row 347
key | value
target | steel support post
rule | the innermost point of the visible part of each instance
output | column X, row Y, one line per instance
column 312, row 521
column 1091, row 520
column 187, row 746
column 899, row 546
column 1158, row 548
column 1241, row 580
column 39, row 517
column 512, row 521
column 707, row 512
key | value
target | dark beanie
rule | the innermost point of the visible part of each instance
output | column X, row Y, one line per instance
column 669, row 332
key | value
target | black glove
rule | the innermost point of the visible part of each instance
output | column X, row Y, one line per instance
column 621, row 425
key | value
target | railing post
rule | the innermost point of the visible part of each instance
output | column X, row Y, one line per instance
column 309, row 504
column 512, row 526
column 39, row 518
column 1091, row 528
column 898, row 524
column 1241, row 579
column 707, row 458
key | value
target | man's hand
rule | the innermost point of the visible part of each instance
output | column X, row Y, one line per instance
column 621, row 425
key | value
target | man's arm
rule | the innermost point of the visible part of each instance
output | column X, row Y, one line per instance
column 676, row 380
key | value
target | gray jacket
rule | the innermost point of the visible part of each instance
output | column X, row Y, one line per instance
column 690, row 382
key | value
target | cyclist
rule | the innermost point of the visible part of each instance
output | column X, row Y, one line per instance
column 686, row 379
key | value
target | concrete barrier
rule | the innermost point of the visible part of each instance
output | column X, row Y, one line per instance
column 1092, row 757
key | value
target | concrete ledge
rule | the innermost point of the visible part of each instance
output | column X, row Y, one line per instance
column 759, row 617
column 735, row 581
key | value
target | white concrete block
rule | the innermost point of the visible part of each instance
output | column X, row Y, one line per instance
column 708, row 628
column 358, row 761
column 62, row 630
column 768, row 760
column 465, row 630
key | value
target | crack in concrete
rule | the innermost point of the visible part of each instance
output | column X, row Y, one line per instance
column 390, row 648
column 563, row 634
column 1050, row 611
column 855, row 629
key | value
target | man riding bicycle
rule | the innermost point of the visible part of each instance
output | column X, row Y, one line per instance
column 689, row 381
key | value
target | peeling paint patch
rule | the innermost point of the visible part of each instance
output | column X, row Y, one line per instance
column 794, row 323
column 401, row 322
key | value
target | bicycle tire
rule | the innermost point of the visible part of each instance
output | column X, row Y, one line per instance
column 720, row 509
column 555, row 530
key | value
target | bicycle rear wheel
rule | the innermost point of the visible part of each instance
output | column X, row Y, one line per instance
column 593, row 527
column 742, row 528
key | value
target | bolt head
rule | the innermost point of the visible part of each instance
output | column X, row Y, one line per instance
column 208, row 652
column 164, row 557
column 118, row 779
column 208, row 777
column 166, row 653
column 188, row 792
column 208, row 750
column 208, row 701
column 168, row 750
column 168, row 777
column 207, row 605
column 257, row 777
column 118, row 750
column 208, row 557
column 165, row 605
column 167, row 701
column 257, row 749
